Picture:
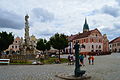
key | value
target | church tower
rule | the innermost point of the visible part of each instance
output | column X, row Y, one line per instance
column 85, row 27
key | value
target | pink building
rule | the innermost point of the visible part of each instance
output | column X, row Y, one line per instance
column 93, row 40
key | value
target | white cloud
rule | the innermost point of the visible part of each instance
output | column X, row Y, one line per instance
column 64, row 16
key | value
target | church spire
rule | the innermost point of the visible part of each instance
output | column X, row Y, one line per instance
column 85, row 27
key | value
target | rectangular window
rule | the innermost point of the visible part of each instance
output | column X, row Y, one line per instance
column 84, row 40
column 96, row 50
column 92, row 51
column 110, row 46
column 96, row 46
column 87, row 40
column 92, row 40
column 92, row 46
column 99, row 46
column 118, row 44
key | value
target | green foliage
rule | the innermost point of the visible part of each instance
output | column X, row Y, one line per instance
column 42, row 44
column 5, row 40
column 48, row 45
column 23, row 61
column 52, row 60
column 18, row 61
column 59, row 41
column 46, row 61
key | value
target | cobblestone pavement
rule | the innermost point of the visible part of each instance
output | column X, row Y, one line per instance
column 33, row 72
column 105, row 68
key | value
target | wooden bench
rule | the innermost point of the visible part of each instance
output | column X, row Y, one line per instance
column 4, row 61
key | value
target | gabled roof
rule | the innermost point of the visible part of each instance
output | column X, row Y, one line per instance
column 82, row 35
column 17, row 38
column 72, row 37
column 115, row 40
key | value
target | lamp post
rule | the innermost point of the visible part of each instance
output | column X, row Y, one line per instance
column 78, row 72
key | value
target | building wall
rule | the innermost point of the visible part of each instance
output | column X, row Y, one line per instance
column 110, row 47
column 91, row 44
column 116, row 47
column 95, row 42
column 15, row 46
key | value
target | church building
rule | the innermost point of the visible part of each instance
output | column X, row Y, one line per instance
column 93, row 40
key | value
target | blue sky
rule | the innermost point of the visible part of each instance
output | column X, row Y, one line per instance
column 48, row 17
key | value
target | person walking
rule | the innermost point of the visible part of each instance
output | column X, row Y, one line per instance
column 92, row 58
column 72, row 59
column 82, row 60
column 89, row 59
column 69, row 60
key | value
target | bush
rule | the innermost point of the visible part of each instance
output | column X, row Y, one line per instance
column 18, row 61
column 52, row 60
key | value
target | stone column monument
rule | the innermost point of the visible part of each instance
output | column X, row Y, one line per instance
column 27, row 38
column 28, row 46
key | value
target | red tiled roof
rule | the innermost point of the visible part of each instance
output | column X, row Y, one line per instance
column 72, row 37
column 17, row 38
column 115, row 40
column 82, row 35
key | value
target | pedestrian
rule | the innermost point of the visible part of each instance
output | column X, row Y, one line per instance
column 72, row 59
column 92, row 58
column 82, row 60
column 69, row 59
column 89, row 59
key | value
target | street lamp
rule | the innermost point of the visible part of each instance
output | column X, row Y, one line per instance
column 78, row 72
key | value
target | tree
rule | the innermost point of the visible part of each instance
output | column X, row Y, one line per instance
column 43, row 45
column 48, row 45
column 59, row 41
column 5, row 40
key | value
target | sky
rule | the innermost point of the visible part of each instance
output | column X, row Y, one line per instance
column 47, row 17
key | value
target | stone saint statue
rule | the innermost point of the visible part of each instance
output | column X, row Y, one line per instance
column 26, row 18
